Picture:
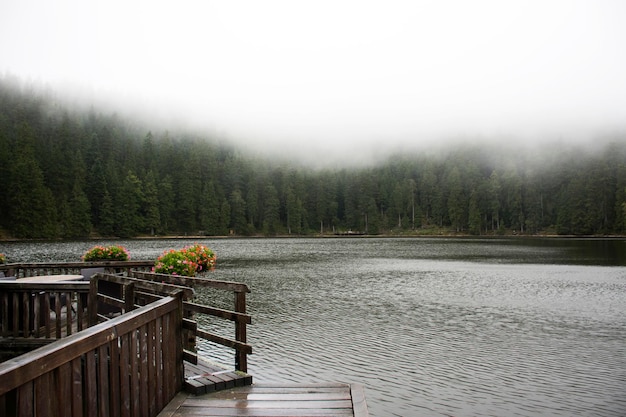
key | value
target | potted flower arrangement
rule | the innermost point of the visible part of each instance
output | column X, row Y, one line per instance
column 106, row 253
column 203, row 257
column 3, row 258
column 187, row 261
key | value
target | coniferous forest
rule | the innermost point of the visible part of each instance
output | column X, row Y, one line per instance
column 70, row 173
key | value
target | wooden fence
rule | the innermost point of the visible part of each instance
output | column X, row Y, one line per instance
column 129, row 366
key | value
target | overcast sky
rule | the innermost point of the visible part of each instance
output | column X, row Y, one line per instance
column 316, row 75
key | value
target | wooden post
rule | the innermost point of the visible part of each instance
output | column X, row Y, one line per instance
column 241, row 359
column 178, row 337
column 129, row 297
column 92, row 301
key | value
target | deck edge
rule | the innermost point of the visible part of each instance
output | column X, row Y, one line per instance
column 359, row 405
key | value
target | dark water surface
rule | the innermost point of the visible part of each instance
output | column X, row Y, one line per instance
column 431, row 327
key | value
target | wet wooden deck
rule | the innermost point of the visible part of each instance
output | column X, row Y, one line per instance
column 205, row 377
column 273, row 400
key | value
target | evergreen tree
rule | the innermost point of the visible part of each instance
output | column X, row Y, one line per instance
column 79, row 213
column 474, row 223
column 185, row 204
column 252, row 203
column 96, row 189
column 372, row 218
column 225, row 217
column 294, row 213
column 210, row 210
column 151, row 214
column 399, row 204
column 271, row 216
column 238, row 213
column 107, row 216
column 513, row 213
column 129, row 221
column 165, row 194
column 494, row 188
column 456, row 202
column 31, row 204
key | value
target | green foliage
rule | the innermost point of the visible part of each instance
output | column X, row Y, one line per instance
column 129, row 221
column 106, row 253
column 187, row 261
column 3, row 258
column 175, row 262
column 78, row 174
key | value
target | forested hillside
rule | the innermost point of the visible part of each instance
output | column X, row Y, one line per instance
column 73, row 174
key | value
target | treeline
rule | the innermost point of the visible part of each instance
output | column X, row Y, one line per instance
column 74, row 174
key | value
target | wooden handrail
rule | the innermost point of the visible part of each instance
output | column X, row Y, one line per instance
column 192, row 281
column 45, row 286
column 159, row 288
column 238, row 316
column 218, row 312
column 24, row 269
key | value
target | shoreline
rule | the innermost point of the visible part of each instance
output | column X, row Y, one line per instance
column 330, row 236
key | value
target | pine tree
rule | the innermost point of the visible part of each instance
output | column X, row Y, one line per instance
column 455, row 201
column 210, row 210
column 129, row 221
column 80, row 213
column 238, row 213
column 271, row 215
column 151, row 214
column 31, row 205
column 166, row 198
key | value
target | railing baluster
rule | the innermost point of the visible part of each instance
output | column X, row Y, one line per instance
column 26, row 317
column 16, row 315
column 45, row 312
column 58, row 322
column 36, row 300
column 68, row 311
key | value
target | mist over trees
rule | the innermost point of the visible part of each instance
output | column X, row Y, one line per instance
column 76, row 174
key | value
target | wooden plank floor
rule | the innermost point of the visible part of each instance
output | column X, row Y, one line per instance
column 205, row 377
column 273, row 400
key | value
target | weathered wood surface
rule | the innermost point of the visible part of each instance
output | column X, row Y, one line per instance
column 39, row 279
column 238, row 316
column 22, row 315
column 20, row 270
column 204, row 377
column 43, row 310
column 131, row 365
column 274, row 400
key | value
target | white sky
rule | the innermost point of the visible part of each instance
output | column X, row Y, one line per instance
column 320, row 75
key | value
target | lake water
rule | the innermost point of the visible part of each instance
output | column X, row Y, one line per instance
column 430, row 327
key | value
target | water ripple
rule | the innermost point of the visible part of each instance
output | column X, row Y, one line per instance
column 453, row 342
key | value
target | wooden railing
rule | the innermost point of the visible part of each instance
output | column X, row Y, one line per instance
column 21, row 270
column 128, row 366
column 191, row 329
column 35, row 314
column 24, row 315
